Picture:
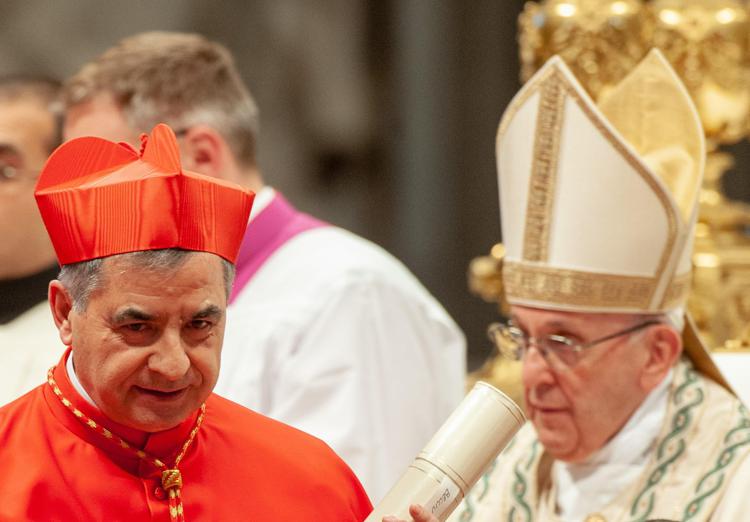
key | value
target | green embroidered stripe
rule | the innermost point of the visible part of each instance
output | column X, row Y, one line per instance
column 468, row 513
column 673, row 445
column 653, row 480
column 468, row 504
column 512, row 516
column 742, row 425
column 732, row 440
column 486, row 480
column 519, row 491
column 520, row 486
column 534, row 451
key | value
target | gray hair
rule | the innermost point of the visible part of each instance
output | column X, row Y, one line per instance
column 180, row 79
column 676, row 317
column 81, row 279
column 672, row 318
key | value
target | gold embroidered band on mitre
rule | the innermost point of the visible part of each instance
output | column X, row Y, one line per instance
column 542, row 284
column 544, row 169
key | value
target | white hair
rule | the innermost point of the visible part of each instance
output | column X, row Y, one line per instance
column 676, row 318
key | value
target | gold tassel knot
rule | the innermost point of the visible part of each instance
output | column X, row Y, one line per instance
column 171, row 479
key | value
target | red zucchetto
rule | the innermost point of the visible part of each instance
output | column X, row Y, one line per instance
column 98, row 198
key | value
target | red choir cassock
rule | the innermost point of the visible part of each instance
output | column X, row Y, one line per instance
column 61, row 459
column 241, row 466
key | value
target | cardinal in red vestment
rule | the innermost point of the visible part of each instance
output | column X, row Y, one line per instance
column 126, row 426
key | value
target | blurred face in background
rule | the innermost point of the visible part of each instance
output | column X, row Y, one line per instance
column 27, row 129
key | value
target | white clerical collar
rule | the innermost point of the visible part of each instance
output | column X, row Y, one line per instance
column 75, row 382
column 262, row 199
column 587, row 487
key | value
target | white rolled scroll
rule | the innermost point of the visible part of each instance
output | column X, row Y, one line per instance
column 456, row 456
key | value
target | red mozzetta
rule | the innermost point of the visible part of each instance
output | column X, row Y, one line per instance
column 240, row 466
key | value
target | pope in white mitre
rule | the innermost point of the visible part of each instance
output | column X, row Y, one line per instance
column 630, row 419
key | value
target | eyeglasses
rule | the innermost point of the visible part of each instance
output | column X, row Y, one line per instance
column 513, row 343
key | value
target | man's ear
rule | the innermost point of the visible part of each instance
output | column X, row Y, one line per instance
column 61, row 305
column 664, row 346
column 204, row 151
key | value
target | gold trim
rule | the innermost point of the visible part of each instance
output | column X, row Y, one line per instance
column 555, row 72
column 520, row 99
column 676, row 293
column 591, row 290
column 543, row 177
column 649, row 178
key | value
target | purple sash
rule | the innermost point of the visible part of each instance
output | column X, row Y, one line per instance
column 267, row 232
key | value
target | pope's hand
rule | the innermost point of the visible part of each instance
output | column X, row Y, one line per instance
column 418, row 513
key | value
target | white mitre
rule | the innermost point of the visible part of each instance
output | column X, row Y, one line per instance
column 599, row 203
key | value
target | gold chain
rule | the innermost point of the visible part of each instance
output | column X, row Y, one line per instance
column 171, row 478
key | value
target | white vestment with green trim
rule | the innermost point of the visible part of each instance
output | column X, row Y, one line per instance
column 698, row 469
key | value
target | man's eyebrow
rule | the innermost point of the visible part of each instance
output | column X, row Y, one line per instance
column 551, row 325
column 130, row 314
column 210, row 311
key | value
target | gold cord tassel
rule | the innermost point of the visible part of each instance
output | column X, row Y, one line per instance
column 171, row 478
column 171, row 481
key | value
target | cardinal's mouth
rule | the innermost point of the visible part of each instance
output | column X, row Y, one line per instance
column 162, row 394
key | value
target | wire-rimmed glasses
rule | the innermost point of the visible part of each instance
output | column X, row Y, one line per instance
column 513, row 343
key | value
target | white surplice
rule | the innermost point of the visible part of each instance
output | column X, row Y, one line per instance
column 336, row 337
column 29, row 346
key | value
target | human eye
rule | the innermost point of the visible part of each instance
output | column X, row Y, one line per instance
column 198, row 329
column 135, row 327
column 137, row 333
column 200, row 324
column 563, row 347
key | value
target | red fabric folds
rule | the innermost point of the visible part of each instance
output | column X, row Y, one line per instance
column 98, row 198
column 241, row 466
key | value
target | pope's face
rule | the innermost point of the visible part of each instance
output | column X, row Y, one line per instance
column 577, row 409
column 147, row 347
